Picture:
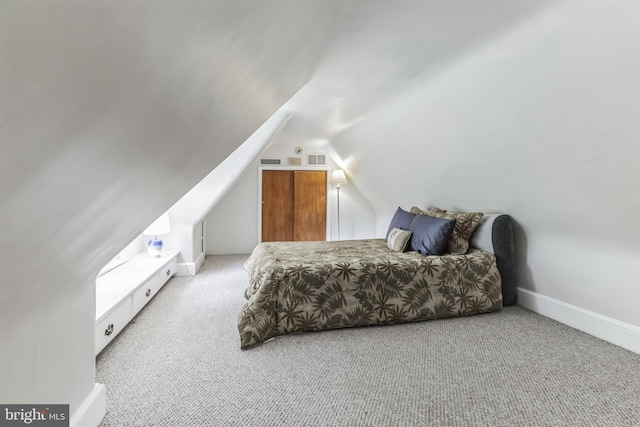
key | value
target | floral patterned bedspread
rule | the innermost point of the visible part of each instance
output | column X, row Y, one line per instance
column 303, row 286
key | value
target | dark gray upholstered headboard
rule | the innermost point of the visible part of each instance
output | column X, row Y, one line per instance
column 495, row 235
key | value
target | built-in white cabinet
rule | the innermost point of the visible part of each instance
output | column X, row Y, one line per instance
column 124, row 291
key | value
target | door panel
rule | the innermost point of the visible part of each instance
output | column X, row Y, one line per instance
column 310, row 206
column 277, row 206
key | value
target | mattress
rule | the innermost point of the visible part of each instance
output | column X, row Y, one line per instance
column 307, row 286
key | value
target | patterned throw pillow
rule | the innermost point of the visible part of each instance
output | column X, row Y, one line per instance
column 417, row 211
column 466, row 224
column 398, row 239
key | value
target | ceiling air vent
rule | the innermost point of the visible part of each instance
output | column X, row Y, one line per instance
column 317, row 159
column 269, row 161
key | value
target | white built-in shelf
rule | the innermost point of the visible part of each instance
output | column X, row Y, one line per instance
column 122, row 292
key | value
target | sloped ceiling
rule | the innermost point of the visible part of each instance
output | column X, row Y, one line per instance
column 385, row 48
column 112, row 110
column 117, row 99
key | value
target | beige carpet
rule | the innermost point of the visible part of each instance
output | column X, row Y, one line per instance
column 179, row 363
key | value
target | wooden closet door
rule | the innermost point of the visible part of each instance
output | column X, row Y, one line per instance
column 310, row 205
column 277, row 206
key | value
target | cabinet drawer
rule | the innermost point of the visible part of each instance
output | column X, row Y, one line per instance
column 146, row 291
column 111, row 325
column 169, row 270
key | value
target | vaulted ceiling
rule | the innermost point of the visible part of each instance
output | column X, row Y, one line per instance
column 382, row 49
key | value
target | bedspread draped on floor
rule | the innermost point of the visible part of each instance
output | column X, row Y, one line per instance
column 303, row 286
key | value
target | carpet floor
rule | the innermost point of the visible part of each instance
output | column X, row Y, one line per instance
column 179, row 363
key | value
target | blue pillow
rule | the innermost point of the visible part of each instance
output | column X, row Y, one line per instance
column 430, row 235
column 401, row 219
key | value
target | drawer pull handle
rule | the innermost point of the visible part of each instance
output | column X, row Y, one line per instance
column 168, row 272
column 109, row 329
column 148, row 292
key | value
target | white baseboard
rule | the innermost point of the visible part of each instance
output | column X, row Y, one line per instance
column 190, row 268
column 92, row 410
column 603, row 327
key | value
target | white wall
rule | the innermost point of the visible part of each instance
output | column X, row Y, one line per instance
column 543, row 125
column 233, row 224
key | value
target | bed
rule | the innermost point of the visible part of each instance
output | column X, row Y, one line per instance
column 311, row 286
